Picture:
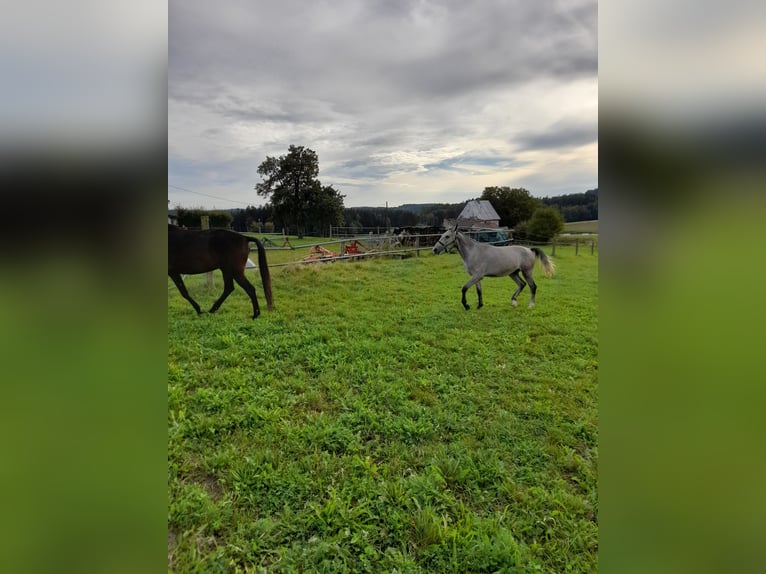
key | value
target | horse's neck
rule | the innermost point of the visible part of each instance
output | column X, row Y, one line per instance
column 464, row 245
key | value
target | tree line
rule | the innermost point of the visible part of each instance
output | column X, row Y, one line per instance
column 299, row 203
column 576, row 206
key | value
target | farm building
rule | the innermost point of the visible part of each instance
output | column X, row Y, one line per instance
column 172, row 217
column 477, row 214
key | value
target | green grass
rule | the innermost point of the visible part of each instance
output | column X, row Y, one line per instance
column 370, row 424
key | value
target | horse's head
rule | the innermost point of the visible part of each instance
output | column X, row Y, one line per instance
column 445, row 241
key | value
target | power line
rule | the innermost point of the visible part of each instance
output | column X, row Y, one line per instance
column 208, row 195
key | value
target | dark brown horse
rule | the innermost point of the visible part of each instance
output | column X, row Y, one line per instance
column 192, row 252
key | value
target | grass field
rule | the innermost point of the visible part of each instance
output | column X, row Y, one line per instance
column 370, row 424
column 581, row 227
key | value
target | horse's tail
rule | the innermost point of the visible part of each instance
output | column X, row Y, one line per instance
column 548, row 266
column 265, row 275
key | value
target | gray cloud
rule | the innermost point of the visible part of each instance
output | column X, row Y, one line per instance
column 358, row 80
column 560, row 135
column 392, row 50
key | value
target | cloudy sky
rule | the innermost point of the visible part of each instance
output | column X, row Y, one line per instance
column 404, row 101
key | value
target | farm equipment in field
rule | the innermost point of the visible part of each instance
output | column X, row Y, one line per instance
column 354, row 248
column 319, row 253
column 269, row 244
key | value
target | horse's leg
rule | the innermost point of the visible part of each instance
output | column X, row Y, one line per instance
column 250, row 290
column 176, row 277
column 532, row 285
column 481, row 300
column 520, row 282
column 471, row 282
column 228, row 287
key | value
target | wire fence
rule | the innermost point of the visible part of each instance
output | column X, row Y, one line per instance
column 396, row 246
column 347, row 232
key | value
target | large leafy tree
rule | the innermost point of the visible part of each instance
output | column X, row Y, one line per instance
column 296, row 195
column 327, row 208
column 512, row 205
column 544, row 224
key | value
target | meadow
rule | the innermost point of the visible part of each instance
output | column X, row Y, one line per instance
column 582, row 227
column 370, row 424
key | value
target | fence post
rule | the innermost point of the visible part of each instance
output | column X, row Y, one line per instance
column 592, row 245
column 205, row 224
column 417, row 245
column 577, row 245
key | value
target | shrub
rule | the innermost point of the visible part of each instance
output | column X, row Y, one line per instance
column 545, row 223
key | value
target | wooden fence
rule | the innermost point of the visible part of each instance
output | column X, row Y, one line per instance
column 391, row 245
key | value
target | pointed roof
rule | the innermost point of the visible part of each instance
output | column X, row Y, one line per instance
column 479, row 209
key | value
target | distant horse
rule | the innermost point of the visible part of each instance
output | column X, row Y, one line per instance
column 484, row 260
column 192, row 252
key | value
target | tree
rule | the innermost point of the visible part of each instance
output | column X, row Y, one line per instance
column 512, row 205
column 296, row 195
column 193, row 217
column 250, row 218
column 327, row 208
column 545, row 223
column 576, row 206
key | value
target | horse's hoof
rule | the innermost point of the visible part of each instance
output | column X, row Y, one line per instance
column 531, row 305
column 467, row 307
column 480, row 306
column 513, row 302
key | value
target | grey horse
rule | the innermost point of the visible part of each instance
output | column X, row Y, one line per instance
column 485, row 260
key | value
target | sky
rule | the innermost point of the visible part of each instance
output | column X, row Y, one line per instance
column 404, row 101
